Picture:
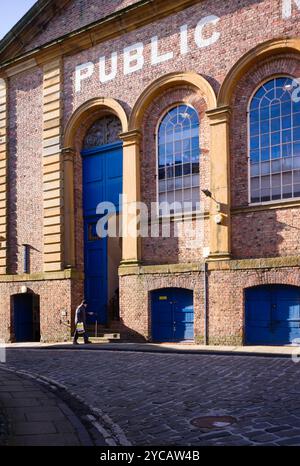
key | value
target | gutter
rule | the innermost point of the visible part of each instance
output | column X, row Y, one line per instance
column 205, row 303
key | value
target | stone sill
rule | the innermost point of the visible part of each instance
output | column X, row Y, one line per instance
column 68, row 274
column 290, row 204
column 231, row 265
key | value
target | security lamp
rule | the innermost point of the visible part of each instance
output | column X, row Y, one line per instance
column 208, row 193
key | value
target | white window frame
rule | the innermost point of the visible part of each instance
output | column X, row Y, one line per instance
column 182, row 214
column 271, row 202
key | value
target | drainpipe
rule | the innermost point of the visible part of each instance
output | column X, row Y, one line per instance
column 205, row 303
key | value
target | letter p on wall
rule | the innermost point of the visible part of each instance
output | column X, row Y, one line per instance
column 83, row 72
column 287, row 8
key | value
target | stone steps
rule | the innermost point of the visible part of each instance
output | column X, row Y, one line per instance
column 103, row 336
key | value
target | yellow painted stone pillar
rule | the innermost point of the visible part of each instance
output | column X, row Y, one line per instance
column 68, row 155
column 52, row 170
column 131, row 254
column 3, row 177
column 220, row 235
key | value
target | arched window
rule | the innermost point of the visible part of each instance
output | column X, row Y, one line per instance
column 178, row 161
column 274, row 143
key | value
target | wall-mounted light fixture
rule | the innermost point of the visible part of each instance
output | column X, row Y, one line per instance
column 219, row 217
column 208, row 193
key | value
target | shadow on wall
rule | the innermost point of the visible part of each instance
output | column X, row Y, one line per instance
column 161, row 250
column 260, row 234
column 20, row 147
column 127, row 333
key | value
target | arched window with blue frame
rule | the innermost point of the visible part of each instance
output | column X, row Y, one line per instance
column 178, row 160
column 274, row 142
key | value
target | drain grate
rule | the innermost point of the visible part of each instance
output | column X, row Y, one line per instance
column 213, row 422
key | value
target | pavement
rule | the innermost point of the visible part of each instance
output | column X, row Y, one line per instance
column 33, row 416
column 152, row 398
column 285, row 351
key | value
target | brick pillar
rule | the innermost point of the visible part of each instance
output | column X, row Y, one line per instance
column 52, row 162
column 220, row 236
column 3, row 177
column 132, row 194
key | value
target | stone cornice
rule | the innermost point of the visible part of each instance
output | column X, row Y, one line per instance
column 68, row 274
column 229, row 265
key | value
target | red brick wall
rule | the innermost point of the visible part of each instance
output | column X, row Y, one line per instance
column 243, row 25
column 248, row 21
column 77, row 14
column 269, row 233
column 226, row 300
column 25, row 170
column 55, row 297
column 266, row 234
column 135, row 301
column 174, row 249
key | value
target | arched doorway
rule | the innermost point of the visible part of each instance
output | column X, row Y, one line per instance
column 26, row 317
column 172, row 315
column 102, row 161
column 272, row 315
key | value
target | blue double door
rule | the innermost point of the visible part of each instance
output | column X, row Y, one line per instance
column 102, row 183
column 172, row 315
column 272, row 315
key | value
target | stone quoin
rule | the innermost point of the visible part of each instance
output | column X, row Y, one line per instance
column 184, row 117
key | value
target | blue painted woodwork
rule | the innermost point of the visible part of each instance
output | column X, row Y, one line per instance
column 272, row 314
column 172, row 315
column 23, row 318
column 102, row 182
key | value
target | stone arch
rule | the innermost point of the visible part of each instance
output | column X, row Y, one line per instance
column 281, row 276
column 87, row 110
column 166, row 82
column 84, row 116
column 251, row 58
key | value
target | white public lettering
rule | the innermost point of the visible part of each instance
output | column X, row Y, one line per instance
column 105, row 77
column 287, row 8
column 82, row 72
column 133, row 58
column 155, row 57
column 199, row 39
column 184, row 48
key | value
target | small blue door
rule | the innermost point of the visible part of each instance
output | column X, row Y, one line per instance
column 172, row 315
column 272, row 314
column 23, row 318
column 102, row 182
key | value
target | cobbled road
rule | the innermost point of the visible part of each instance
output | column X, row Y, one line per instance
column 154, row 397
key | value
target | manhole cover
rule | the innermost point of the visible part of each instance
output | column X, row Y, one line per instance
column 213, row 422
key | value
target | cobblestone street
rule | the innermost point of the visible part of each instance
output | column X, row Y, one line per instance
column 154, row 397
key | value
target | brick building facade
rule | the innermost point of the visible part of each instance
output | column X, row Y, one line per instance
column 68, row 64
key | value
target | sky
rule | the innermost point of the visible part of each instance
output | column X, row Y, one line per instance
column 11, row 12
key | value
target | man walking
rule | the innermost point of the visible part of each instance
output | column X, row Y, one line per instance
column 80, row 323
